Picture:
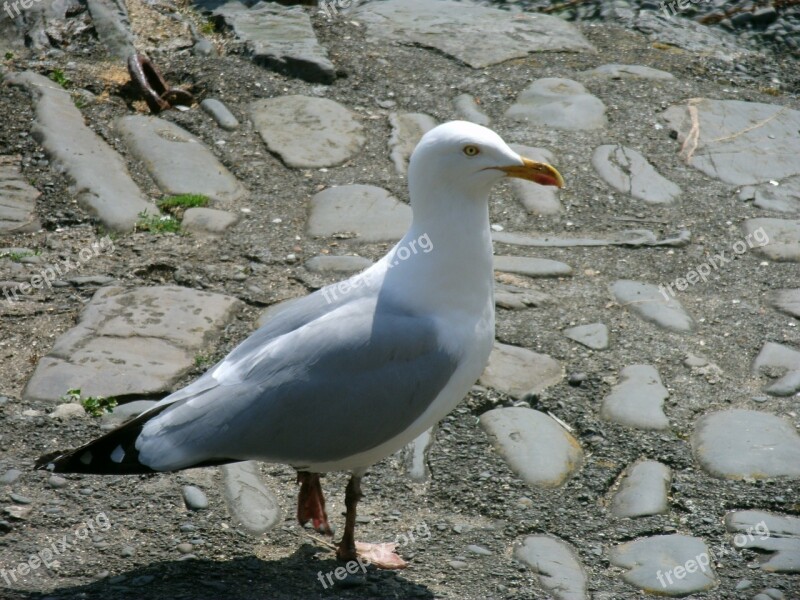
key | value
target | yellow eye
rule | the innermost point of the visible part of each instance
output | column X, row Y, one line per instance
column 471, row 150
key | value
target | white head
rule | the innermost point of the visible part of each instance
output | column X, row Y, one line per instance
column 467, row 159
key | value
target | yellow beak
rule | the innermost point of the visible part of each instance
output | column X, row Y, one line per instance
column 540, row 173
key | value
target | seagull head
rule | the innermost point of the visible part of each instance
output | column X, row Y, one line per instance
column 468, row 159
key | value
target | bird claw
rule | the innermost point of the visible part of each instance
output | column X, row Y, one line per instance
column 382, row 555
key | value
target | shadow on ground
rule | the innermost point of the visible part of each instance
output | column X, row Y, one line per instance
column 241, row 578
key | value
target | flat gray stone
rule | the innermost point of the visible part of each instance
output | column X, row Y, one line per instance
column 776, row 356
column 251, row 503
column 783, row 236
column 468, row 108
column 557, row 565
column 17, row 199
column 99, row 176
column 537, row 199
column 775, row 537
column 637, row 400
column 644, row 491
column 337, row 264
column 691, row 36
column 10, row 476
column 631, row 238
column 415, row 456
column 650, row 304
column 113, row 26
column 627, row 171
column 658, row 565
column 208, row 221
column 558, row 103
column 746, row 444
column 369, row 212
column 535, row 446
column 780, row 196
column 476, row 35
column 194, row 498
column 138, row 341
column 512, row 297
column 787, row 301
column 279, row 38
column 407, row 130
column 782, row 361
column 532, row 267
column 616, row 71
column 519, row 371
column 177, row 161
column 308, row 132
column 742, row 143
column 788, row 385
column 220, row 113
column 594, row 335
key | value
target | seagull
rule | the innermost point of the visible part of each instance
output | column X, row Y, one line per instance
column 348, row 375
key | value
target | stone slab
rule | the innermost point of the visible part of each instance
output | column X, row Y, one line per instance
column 131, row 342
column 535, row 446
column 17, row 199
column 476, row 35
column 518, row 371
column 741, row 143
column 645, row 559
column 746, row 444
column 557, row 565
column 251, row 503
column 280, row 38
column 532, row 267
column 650, row 304
column 407, row 130
column 99, row 176
column 627, row 171
column 558, row 103
column 644, row 491
column 637, row 400
column 370, row 213
column 308, row 132
column 178, row 162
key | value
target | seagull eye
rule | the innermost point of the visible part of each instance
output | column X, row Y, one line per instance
column 471, row 150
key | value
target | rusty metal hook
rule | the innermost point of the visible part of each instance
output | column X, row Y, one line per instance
column 151, row 83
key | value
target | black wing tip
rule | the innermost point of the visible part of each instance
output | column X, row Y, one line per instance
column 45, row 461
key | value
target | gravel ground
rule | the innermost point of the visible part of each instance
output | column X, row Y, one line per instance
column 472, row 497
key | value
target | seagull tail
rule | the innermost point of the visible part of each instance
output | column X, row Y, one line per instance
column 112, row 453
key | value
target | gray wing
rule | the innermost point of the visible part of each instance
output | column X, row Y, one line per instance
column 335, row 387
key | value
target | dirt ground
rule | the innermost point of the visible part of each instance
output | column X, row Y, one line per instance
column 472, row 497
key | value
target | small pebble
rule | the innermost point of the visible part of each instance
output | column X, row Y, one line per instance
column 56, row 482
column 479, row 550
column 20, row 499
column 185, row 548
column 127, row 551
column 10, row 476
column 194, row 497
column 457, row 564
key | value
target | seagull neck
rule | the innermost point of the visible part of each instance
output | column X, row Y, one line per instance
column 452, row 264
